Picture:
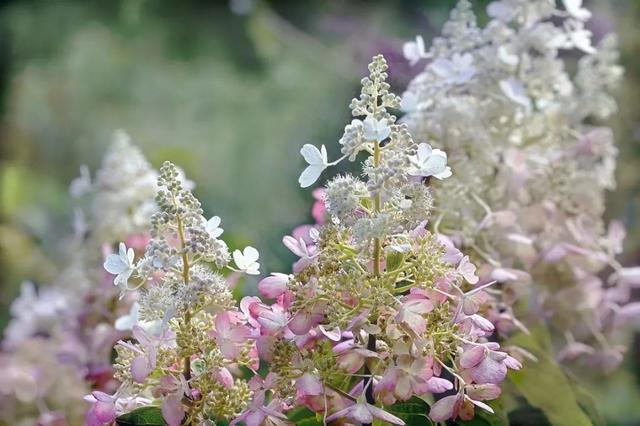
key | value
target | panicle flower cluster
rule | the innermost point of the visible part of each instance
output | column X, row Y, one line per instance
column 121, row 198
column 529, row 206
column 58, row 343
column 189, row 339
column 378, row 309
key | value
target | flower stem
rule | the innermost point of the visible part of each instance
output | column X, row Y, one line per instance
column 186, row 362
column 377, row 254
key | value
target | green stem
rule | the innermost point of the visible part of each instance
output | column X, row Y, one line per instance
column 377, row 253
column 186, row 362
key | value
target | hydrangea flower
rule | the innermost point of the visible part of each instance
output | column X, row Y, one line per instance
column 317, row 160
column 377, row 306
column 457, row 70
column 430, row 162
column 58, row 344
column 196, row 337
column 213, row 227
column 534, row 162
column 246, row 260
column 414, row 51
column 376, row 130
column 120, row 265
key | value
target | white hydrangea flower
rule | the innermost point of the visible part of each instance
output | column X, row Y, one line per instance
column 127, row 322
column 575, row 9
column 317, row 160
column 526, row 132
column 246, row 260
column 505, row 55
column 82, row 184
column 501, row 10
column 376, row 130
column 430, row 162
column 457, row 70
column 414, row 51
column 514, row 90
column 213, row 227
column 120, row 265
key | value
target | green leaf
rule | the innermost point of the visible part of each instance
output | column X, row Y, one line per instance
column 527, row 415
column 144, row 416
column 544, row 385
column 394, row 261
column 303, row 416
column 414, row 412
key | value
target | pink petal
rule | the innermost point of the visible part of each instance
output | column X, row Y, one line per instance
column 309, row 384
column 472, row 357
column 361, row 413
column 294, row 245
column 483, row 392
column 224, row 376
column 385, row 416
column 512, row 363
column 438, row 385
column 403, row 387
column 489, row 371
column 172, row 410
column 339, row 414
column 303, row 321
column 139, row 369
column 444, row 408
column 104, row 411
column 273, row 286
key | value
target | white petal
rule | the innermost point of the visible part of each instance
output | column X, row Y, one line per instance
column 253, row 269
column 575, row 9
column 122, row 279
column 383, row 130
column 323, row 153
column 310, row 175
column 312, row 155
column 250, row 254
column 444, row 174
column 239, row 260
column 433, row 165
column 114, row 264
column 442, row 67
column 409, row 101
column 507, row 57
column 514, row 90
column 130, row 256
column 424, row 151
column 482, row 405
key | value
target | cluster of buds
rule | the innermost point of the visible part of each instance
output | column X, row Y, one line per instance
column 529, row 206
column 378, row 309
column 190, row 341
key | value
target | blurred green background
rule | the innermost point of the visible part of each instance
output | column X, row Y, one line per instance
column 229, row 90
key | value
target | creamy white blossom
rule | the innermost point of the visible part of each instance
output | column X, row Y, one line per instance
column 532, row 160
column 430, row 162
column 575, row 9
column 457, row 70
column 247, row 260
column 121, row 265
column 213, row 227
column 513, row 89
column 317, row 160
column 376, row 130
column 127, row 322
column 414, row 50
